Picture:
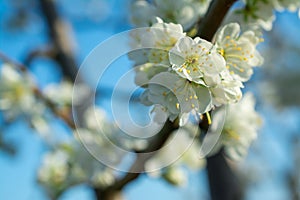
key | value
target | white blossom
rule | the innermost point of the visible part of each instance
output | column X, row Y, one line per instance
column 255, row 13
column 195, row 59
column 291, row 5
column 185, row 12
column 240, row 129
column 16, row 92
column 178, row 96
column 147, row 71
column 159, row 39
column 239, row 50
column 176, row 176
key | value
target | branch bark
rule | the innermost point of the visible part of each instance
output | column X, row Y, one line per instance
column 223, row 182
column 59, row 32
column 213, row 18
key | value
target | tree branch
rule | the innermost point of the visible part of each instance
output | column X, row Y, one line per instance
column 223, row 182
column 213, row 18
column 59, row 32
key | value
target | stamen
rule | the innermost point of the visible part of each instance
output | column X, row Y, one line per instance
column 208, row 118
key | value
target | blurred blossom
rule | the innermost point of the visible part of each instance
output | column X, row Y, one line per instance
column 184, row 12
column 261, row 14
column 241, row 128
column 61, row 93
column 185, row 152
column 16, row 92
column 71, row 164
column 175, row 176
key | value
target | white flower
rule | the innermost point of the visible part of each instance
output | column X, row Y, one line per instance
column 61, row 93
column 142, row 13
column 176, row 176
column 240, row 128
column 255, row 13
column 16, row 92
column 291, row 5
column 147, row 71
column 185, row 12
column 103, row 178
column 53, row 173
column 239, row 50
column 195, row 59
column 178, row 96
column 159, row 39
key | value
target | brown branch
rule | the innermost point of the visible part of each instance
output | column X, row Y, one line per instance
column 8, row 60
column 45, row 52
column 213, row 18
column 59, row 32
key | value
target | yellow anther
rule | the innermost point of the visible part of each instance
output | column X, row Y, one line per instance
column 222, row 52
column 193, row 105
column 208, row 118
column 231, row 72
column 227, row 37
column 177, row 106
column 195, row 97
column 164, row 94
column 227, row 66
column 191, row 97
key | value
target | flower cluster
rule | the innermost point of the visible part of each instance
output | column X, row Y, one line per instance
column 261, row 14
column 16, row 92
column 184, row 12
column 239, row 50
column 240, row 130
column 70, row 163
column 184, row 76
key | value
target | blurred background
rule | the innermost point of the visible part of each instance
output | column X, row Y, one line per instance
column 270, row 171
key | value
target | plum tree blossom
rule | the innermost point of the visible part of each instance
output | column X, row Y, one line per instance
column 70, row 164
column 261, row 14
column 16, row 92
column 238, row 50
column 239, row 132
column 160, row 38
column 184, row 12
